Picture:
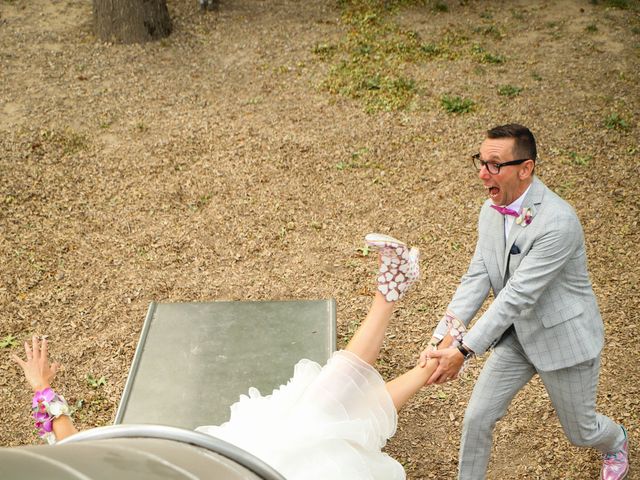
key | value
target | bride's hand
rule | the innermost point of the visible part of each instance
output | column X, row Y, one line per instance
column 36, row 368
column 450, row 361
column 424, row 356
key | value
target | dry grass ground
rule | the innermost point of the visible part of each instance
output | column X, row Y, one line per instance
column 217, row 164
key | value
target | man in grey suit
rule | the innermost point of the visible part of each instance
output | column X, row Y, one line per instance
column 544, row 318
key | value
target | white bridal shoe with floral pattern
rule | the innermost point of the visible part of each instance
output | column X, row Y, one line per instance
column 399, row 267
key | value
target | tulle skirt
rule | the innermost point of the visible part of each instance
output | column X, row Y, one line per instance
column 326, row 423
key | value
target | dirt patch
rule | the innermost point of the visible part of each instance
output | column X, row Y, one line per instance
column 213, row 165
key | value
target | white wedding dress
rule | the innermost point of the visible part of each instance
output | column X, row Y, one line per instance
column 326, row 423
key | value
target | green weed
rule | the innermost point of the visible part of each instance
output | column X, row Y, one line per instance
column 441, row 395
column 616, row 122
column 485, row 57
column 581, row 160
column 591, row 28
column 456, row 104
column 509, row 90
column 95, row 382
column 491, row 58
column 8, row 341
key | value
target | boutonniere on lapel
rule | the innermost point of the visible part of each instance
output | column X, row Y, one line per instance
column 525, row 217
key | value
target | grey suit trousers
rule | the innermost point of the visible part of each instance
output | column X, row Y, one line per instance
column 572, row 392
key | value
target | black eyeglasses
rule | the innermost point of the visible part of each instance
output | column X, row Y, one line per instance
column 494, row 168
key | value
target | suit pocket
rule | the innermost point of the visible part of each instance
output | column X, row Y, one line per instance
column 553, row 318
column 514, row 262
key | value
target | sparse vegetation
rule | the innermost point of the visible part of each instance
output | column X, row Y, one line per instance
column 8, row 341
column 372, row 64
column 486, row 57
column 579, row 159
column 456, row 104
column 94, row 382
column 615, row 122
column 509, row 90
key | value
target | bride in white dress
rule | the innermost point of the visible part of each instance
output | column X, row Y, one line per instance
column 328, row 422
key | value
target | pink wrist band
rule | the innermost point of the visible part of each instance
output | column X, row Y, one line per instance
column 47, row 405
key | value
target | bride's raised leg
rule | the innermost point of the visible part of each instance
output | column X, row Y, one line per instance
column 367, row 340
column 398, row 270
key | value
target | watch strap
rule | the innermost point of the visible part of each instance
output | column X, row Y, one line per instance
column 464, row 351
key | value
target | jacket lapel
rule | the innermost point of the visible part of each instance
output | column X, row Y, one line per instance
column 532, row 201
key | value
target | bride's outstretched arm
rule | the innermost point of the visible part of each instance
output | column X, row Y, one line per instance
column 39, row 373
column 402, row 388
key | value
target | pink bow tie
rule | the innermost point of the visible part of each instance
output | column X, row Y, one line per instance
column 505, row 211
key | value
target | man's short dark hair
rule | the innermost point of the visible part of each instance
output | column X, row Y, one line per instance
column 525, row 143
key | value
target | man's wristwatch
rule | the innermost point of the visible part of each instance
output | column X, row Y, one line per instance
column 465, row 351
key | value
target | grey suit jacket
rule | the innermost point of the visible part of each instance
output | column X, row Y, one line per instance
column 544, row 291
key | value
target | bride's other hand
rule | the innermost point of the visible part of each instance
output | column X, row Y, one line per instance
column 37, row 369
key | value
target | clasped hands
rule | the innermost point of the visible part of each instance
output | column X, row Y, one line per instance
column 450, row 361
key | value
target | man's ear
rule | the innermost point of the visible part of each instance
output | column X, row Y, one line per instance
column 527, row 170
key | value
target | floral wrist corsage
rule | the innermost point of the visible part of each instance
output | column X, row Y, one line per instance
column 47, row 405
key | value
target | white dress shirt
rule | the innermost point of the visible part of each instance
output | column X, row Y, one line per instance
column 509, row 219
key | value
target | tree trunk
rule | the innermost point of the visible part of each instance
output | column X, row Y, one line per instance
column 131, row 21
